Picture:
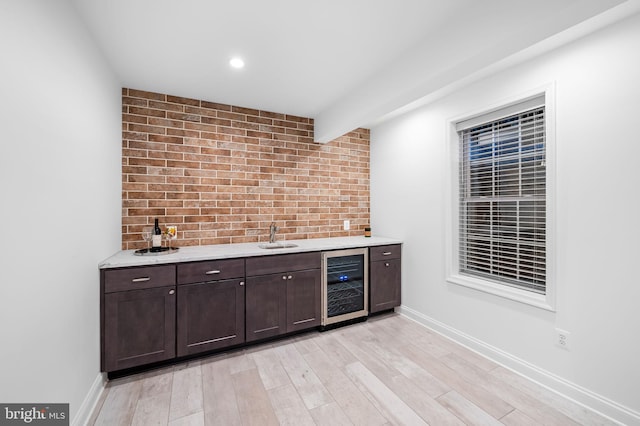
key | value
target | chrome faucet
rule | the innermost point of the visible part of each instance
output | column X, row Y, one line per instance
column 272, row 232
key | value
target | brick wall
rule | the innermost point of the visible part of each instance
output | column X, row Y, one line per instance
column 223, row 173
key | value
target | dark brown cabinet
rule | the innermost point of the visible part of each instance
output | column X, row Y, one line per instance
column 138, row 316
column 210, row 308
column 157, row 313
column 384, row 277
column 282, row 294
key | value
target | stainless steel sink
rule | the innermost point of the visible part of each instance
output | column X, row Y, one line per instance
column 277, row 245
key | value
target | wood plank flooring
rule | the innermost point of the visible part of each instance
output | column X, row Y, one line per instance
column 388, row 370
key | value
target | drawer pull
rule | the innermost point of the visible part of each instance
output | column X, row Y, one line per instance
column 386, row 264
column 172, row 291
column 386, row 253
column 140, row 280
column 213, row 272
column 241, row 282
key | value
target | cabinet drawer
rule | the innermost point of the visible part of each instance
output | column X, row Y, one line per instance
column 139, row 278
column 384, row 252
column 282, row 263
column 210, row 270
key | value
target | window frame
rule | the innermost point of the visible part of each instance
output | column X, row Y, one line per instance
column 453, row 275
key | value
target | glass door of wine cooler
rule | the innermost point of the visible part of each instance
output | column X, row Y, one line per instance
column 344, row 285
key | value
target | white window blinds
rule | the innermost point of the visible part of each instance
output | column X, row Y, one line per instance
column 502, row 191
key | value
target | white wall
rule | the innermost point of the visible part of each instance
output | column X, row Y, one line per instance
column 60, row 209
column 597, row 82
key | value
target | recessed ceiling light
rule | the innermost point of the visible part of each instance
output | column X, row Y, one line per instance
column 236, row 62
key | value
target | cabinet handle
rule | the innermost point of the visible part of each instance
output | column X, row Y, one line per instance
column 386, row 253
column 289, row 277
column 241, row 282
column 386, row 264
column 284, row 277
column 172, row 291
column 213, row 272
column 140, row 280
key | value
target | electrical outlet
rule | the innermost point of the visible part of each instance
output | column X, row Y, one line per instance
column 562, row 338
column 347, row 225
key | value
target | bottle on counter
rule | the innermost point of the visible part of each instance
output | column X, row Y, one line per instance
column 367, row 231
column 156, row 239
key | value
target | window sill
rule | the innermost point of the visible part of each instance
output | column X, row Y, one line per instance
column 533, row 299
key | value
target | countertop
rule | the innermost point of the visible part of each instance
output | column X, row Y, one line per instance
column 126, row 258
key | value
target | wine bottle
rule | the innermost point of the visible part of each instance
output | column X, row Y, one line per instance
column 156, row 239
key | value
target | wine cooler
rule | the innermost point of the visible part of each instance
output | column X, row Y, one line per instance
column 345, row 285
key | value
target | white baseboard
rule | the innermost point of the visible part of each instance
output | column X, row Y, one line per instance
column 90, row 401
column 584, row 397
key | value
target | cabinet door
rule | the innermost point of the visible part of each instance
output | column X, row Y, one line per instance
column 266, row 304
column 384, row 285
column 139, row 327
column 303, row 299
column 210, row 316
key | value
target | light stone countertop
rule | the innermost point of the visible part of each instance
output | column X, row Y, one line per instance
column 126, row 258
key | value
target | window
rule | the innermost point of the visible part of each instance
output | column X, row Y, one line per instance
column 501, row 201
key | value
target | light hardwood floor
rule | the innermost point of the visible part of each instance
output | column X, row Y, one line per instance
column 388, row 370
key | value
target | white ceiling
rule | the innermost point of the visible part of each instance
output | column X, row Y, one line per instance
column 345, row 63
